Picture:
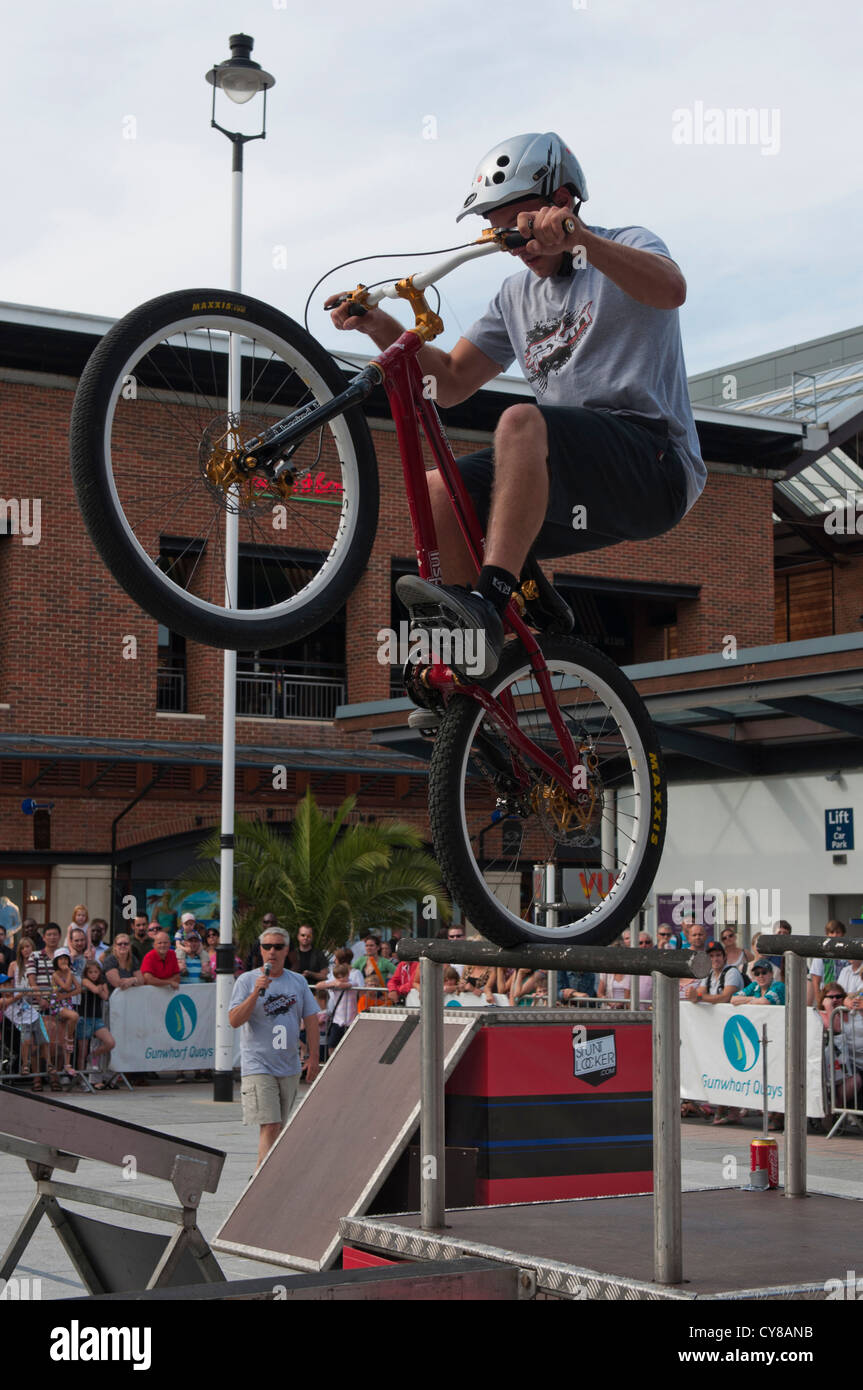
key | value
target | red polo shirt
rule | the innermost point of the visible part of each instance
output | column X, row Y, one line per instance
column 153, row 964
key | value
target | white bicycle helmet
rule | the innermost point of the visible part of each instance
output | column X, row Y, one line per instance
column 525, row 166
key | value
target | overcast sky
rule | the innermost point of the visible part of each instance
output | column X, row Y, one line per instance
column 767, row 232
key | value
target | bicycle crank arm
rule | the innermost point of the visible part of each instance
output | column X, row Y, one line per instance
column 264, row 448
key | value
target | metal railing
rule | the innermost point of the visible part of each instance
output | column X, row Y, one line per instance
column 843, row 1061
column 171, row 690
column 267, row 690
column 311, row 697
column 271, row 693
column 256, row 694
column 666, row 968
column 796, row 950
column 34, row 1039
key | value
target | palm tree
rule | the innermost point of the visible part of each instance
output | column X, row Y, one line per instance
column 342, row 880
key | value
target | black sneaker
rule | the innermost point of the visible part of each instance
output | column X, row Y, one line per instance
column 546, row 609
column 452, row 616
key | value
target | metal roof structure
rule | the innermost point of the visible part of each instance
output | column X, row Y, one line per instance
column 776, row 720
column 366, row 761
column 833, row 401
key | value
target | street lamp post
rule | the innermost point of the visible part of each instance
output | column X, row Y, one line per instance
column 240, row 79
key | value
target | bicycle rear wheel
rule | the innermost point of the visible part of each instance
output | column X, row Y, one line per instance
column 154, row 448
column 494, row 815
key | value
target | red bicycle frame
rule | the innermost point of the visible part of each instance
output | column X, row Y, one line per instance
column 403, row 383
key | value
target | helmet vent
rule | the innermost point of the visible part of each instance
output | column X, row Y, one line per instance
column 503, row 160
column 499, row 177
column 540, row 173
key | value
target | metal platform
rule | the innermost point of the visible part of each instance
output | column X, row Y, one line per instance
column 579, row 1249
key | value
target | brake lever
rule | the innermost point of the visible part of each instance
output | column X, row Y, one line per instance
column 514, row 240
column 357, row 309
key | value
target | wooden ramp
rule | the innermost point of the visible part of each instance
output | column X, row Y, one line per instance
column 340, row 1144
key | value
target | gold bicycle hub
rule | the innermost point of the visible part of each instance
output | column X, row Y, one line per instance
column 226, row 468
column 568, row 811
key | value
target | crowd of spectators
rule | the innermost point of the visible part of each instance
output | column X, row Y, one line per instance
column 55, row 993
column 755, row 979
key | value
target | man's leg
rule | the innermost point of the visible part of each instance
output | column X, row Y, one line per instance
column 608, row 479
column 269, row 1135
column 519, row 499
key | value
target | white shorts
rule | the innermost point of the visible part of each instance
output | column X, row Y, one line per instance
column 268, row 1099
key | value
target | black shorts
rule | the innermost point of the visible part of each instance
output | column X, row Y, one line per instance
column 611, row 478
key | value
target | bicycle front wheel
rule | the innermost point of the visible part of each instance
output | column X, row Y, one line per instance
column 155, row 438
column 499, row 820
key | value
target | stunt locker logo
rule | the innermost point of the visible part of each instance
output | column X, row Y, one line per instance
column 594, row 1056
column 551, row 345
column 279, row 1004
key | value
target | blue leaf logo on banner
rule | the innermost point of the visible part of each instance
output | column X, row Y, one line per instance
column 741, row 1043
column 181, row 1017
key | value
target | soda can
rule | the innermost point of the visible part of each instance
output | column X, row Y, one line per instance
column 764, row 1163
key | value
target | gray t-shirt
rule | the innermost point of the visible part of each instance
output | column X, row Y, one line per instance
column 582, row 341
column 264, row 1047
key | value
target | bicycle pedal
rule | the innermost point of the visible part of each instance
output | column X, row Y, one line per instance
column 424, row 719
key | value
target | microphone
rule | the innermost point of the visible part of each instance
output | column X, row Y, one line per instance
column 267, row 973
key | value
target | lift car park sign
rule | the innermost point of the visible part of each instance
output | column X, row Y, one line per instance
column 839, row 829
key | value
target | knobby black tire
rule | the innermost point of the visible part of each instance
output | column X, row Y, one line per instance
column 98, row 503
column 453, row 850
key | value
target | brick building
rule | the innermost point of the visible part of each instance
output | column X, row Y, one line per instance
column 123, row 737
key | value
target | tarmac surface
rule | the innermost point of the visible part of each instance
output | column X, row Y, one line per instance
column 713, row 1156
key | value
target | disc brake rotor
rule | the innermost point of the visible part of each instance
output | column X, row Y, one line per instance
column 220, row 460
column 570, row 818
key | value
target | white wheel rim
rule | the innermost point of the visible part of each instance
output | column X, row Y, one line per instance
column 640, row 813
column 348, row 521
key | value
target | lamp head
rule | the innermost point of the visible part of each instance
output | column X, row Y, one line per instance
column 239, row 77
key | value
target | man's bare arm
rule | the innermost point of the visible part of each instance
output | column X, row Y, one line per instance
column 457, row 374
column 644, row 275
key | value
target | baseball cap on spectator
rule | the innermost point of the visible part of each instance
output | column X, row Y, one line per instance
column 714, row 946
column 193, row 936
column 761, row 967
column 62, row 951
column 188, row 917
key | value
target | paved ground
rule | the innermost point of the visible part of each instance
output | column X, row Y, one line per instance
column 712, row 1157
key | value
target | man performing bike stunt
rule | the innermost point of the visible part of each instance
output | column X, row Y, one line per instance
column 558, row 749
column 609, row 452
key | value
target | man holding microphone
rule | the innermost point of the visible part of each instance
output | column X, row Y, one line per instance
column 272, row 1006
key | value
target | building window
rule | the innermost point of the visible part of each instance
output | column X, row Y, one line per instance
column 28, row 892
column 171, row 672
column 301, row 680
column 804, row 604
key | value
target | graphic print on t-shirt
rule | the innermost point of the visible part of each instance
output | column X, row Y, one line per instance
column 279, row 1004
column 550, row 345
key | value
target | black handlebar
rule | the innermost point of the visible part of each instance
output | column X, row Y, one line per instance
column 514, row 240
column 357, row 310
